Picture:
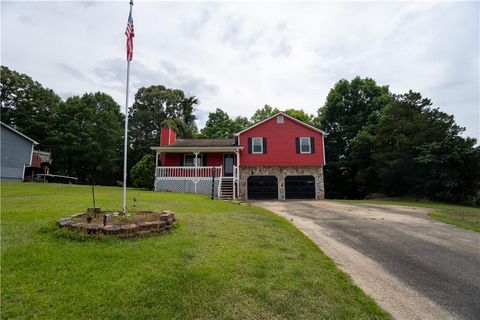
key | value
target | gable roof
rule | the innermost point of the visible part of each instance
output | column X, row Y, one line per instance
column 19, row 133
column 286, row 116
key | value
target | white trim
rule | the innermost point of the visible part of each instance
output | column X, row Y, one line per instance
column 309, row 144
column 19, row 133
column 31, row 156
column 253, row 145
column 285, row 115
column 280, row 119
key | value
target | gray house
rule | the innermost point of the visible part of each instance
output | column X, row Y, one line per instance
column 16, row 150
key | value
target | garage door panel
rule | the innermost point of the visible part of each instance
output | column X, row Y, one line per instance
column 262, row 187
column 300, row 187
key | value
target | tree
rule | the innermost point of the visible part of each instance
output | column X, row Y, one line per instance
column 349, row 118
column 87, row 138
column 219, row 125
column 240, row 124
column 300, row 115
column 27, row 106
column 263, row 113
column 419, row 151
column 181, row 128
column 143, row 172
column 152, row 106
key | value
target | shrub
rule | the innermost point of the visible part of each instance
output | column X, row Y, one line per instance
column 143, row 173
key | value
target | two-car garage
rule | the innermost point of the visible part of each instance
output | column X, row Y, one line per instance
column 266, row 187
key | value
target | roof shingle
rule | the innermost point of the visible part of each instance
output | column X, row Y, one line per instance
column 204, row 143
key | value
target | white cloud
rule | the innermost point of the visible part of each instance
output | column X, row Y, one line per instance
column 240, row 56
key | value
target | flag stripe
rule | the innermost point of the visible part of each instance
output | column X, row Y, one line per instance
column 129, row 32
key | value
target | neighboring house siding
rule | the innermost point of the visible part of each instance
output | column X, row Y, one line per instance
column 281, row 145
column 16, row 154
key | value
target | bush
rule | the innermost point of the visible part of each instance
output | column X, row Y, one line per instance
column 143, row 173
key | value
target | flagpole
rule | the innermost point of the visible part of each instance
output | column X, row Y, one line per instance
column 126, row 143
column 126, row 132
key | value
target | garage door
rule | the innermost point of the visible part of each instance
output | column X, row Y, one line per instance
column 262, row 187
column 300, row 187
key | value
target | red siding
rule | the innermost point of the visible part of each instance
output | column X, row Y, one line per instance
column 167, row 136
column 173, row 159
column 281, row 147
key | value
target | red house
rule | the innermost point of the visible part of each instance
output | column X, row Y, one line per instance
column 278, row 158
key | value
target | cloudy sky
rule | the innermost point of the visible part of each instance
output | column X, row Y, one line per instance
column 241, row 56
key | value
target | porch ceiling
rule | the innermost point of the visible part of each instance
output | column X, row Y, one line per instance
column 173, row 149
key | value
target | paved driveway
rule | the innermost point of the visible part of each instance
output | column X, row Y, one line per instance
column 413, row 266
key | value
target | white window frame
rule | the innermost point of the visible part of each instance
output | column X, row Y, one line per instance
column 199, row 160
column 309, row 145
column 253, row 145
column 280, row 119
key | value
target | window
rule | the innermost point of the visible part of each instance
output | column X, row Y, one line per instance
column 305, row 146
column 280, row 119
column 189, row 160
column 257, row 145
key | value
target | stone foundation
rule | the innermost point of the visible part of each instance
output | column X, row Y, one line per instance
column 281, row 173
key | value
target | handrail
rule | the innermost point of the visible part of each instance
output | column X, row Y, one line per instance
column 194, row 172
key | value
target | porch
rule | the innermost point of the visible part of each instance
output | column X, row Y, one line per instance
column 203, row 170
column 208, row 180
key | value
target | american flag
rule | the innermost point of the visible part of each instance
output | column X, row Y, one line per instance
column 130, row 34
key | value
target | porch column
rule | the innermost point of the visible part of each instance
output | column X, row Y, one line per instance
column 195, row 159
column 237, row 178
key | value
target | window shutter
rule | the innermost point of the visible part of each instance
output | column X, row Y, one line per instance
column 204, row 159
column 249, row 145
column 181, row 160
column 297, row 144
column 312, row 145
column 264, row 145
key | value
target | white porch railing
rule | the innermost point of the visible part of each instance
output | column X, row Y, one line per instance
column 203, row 180
column 188, row 172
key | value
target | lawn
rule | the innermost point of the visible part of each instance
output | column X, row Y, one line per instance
column 462, row 216
column 221, row 261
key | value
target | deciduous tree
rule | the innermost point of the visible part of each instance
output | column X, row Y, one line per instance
column 349, row 118
column 26, row 105
column 152, row 106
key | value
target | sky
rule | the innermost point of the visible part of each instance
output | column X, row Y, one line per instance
column 239, row 56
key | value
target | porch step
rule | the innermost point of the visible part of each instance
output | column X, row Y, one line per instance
column 226, row 190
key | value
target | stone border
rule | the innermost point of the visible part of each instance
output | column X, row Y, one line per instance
column 126, row 230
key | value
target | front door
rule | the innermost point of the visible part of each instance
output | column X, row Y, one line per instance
column 228, row 165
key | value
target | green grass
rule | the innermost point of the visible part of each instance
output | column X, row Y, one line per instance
column 222, row 261
column 462, row 216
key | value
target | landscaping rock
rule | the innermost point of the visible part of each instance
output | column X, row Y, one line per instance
column 65, row 222
column 125, row 227
column 94, row 228
column 112, row 229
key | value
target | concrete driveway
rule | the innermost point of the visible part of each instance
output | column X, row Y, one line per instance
column 413, row 266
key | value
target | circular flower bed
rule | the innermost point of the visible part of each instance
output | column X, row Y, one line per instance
column 114, row 223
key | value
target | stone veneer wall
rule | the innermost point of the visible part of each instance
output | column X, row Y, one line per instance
column 281, row 173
